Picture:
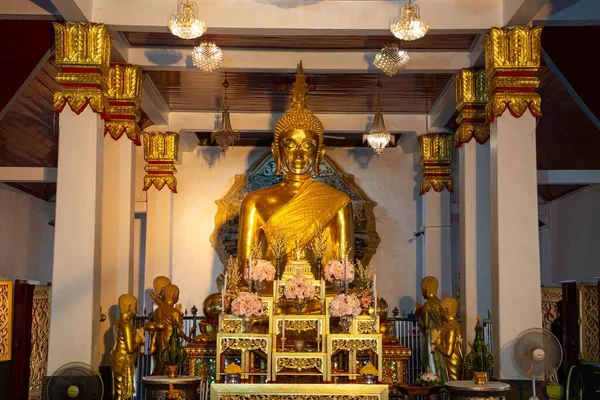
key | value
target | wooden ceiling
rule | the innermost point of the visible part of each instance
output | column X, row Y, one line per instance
column 194, row 90
column 431, row 42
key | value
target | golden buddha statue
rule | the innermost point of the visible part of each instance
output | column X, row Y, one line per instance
column 298, row 208
column 449, row 342
column 159, row 284
column 123, row 356
column 430, row 323
column 161, row 324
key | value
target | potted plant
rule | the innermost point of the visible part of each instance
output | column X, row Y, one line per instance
column 428, row 379
column 369, row 373
column 479, row 360
column 173, row 355
column 427, row 385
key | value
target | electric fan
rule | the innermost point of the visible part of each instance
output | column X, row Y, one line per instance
column 537, row 354
column 75, row 380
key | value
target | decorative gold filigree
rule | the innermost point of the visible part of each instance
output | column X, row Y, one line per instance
column 589, row 331
column 244, row 344
column 231, row 326
column 298, row 397
column 512, row 56
column 353, row 344
column 471, row 98
column 160, row 151
column 299, row 363
column 82, row 54
column 366, row 327
column 124, row 98
column 436, row 156
column 298, row 325
column 5, row 320
column 40, row 328
column 550, row 296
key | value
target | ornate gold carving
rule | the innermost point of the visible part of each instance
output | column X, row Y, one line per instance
column 231, row 326
column 298, row 325
column 436, row 157
column 297, row 397
column 5, row 320
column 512, row 56
column 589, row 331
column 244, row 344
column 299, row 363
column 366, row 326
column 550, row 296
column 124, row 102
column 40, row 328
column 82, row 54
column 353, row 344
column 160, row 151
column 471, row 98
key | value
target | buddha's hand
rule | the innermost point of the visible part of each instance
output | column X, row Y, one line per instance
column 140, row 333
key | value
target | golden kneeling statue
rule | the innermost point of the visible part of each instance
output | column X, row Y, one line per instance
column 449, row 342
column 161, row 324
column 430, row 323
column 123, row 356
column 299, row 207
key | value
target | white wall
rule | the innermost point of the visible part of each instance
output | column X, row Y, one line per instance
column 569, row 243
column 206, row 175
column 26, row 239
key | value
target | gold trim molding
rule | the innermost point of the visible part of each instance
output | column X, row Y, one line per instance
column 6, row 297
column 589, row 325
column 82, row 54
column 124, row 97
column 471, row 98
column 40, row 329
column 160, row 152
column 512, row 56
column 436, row 158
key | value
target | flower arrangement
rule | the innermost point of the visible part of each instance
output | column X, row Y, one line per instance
column 247, row 304
column 299, row 287
column 428, row 379
column 364, row 276
column 173, row 355
column 366, row 299
column 368, row 369
column 233, row 369
column 262, row 270
column 339, row 270
column 344, row 305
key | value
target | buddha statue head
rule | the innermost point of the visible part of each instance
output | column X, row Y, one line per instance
column 159, row 284
column 298, row 146
column 449, row 307
column 128, row 305
column 429, row 287
column 171, row 294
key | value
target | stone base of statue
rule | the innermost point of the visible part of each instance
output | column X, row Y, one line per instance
column 468, row 390
column 162, row 387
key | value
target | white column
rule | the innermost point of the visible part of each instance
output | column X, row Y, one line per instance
column 516, row 292
column 159, row 237
column 437, row 260
column 475, row 269
column 117, row 234
column 75, row 306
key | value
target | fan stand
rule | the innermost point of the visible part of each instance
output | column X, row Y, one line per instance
column 534, row 397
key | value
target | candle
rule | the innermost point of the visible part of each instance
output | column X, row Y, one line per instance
column 283, row 328
column 223, row 292
column 318, row 327
column 249, row 262
column 375, row 295
column 346, row 268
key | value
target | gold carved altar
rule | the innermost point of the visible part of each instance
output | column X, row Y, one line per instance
column 279, row 391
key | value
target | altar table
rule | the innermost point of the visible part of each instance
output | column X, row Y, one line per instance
column 284, row 391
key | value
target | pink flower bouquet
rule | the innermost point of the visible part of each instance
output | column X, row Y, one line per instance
column 344, row 305
column 428, row 379
column 339, row 270
column 247, row 305
column 262, row 270
column 299, row 287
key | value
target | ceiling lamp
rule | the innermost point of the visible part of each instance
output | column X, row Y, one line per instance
column 378, row 137
column 391, row 59
column 185, row 23
column 409, row 25
column 225, row 136
column 208, row 56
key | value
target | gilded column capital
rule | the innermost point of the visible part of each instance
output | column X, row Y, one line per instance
column 82, row 54
column 471, row 99
column 124, row 96
column 436, row 158
column 512, row 56
column 160, row 153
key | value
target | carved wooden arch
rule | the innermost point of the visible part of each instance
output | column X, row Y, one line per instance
column 262, row 174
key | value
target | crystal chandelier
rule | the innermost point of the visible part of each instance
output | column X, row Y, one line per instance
column 185, row 23
column 208, row 56
column 378, row 137
column 391, row 59
column 409, row 25
column 225, row 136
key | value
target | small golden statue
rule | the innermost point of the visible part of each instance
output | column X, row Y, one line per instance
column 449, row 342
column 159, row 284
column 161, row 324
column 298, row 207
column 430, row 323
column 123, row 356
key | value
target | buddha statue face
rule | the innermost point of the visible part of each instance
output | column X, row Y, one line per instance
column 298, row 152
column 429, row 287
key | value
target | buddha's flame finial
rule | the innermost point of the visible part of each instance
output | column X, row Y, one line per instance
column 299, row 90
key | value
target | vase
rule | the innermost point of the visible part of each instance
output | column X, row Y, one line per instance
column 246, row 325
column 319, row 265
column 232, row 378
column 171, row 370
column 299, row 306
column 278, row 268
column 340, row 286
column 345, row 323
column 299, row 345
column 479, row 377
column 259, row 286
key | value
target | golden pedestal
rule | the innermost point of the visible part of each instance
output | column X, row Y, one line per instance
column 279, row 391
